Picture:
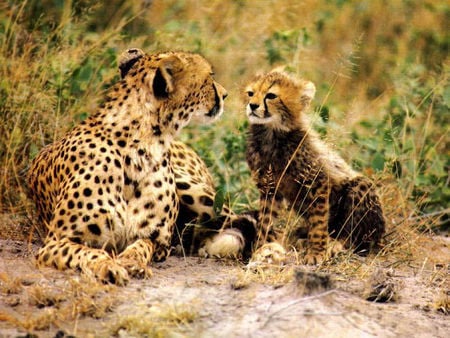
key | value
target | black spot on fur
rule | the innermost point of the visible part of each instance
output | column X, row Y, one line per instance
column 183, row 185
column 149, row 205
column 154, row 234
column 94, row 229
column 156, row 130
column 206, row 200
column 205, row 217
column 77, row 240
column 187, row 199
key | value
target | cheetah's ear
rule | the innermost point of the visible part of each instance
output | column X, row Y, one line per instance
column 163, row 82
column 127, row 59
column 308, row 92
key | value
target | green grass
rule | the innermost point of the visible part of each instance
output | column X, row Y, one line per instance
column 381, row 69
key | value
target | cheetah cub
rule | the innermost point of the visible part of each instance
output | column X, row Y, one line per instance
column 291, row 164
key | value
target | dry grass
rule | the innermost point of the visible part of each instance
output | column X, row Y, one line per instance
column 275, row 275
column 156, row 321
column 10, row 285
column 57, row 303
column 442, row 303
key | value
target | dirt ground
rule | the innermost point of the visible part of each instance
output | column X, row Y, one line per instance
column 197, row 297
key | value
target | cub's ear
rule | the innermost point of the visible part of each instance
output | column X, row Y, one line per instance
column 127, row 59
column 164, row 80
column 308, row 92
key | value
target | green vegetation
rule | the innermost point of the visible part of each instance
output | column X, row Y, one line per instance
column 381, row 69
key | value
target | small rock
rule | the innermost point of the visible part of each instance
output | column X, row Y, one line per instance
column 312, row 282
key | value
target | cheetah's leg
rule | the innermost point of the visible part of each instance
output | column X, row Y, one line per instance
column 64, row 254
column 268, row 248
column 151, row 211
column 317, row 219
column 270, row 207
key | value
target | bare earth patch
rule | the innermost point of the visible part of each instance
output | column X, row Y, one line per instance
column 191, row 296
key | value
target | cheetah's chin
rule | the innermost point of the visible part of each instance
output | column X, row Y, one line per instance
column 213, row 115
column 215, row 111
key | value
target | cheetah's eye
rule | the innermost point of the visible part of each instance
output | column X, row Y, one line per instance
column 271, row 96
column 250, row 93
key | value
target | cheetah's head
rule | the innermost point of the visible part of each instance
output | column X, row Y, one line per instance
column 277, row 100
column 182, row 83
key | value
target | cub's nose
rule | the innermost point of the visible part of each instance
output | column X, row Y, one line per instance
column 254, row 106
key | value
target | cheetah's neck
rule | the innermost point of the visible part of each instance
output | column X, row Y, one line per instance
column 131, row 116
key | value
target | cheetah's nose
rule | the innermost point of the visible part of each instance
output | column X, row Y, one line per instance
column 254, row 106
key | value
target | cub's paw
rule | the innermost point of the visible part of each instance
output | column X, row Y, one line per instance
column 109, row 271
column 317, row 255
column 314, row 257
column 270, row 253
column 334, row 248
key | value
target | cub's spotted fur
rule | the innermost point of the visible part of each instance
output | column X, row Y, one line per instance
column 290, row 163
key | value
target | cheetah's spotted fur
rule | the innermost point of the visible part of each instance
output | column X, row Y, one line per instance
column 108, row 188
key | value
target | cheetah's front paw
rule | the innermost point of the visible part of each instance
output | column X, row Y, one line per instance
column 269, row 253
column 109, row 271
column 136, row 258
column 135, row 269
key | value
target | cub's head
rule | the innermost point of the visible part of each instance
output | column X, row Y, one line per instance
column 181, row 85
column 278, row 101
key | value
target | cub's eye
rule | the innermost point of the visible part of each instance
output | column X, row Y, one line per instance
column 250, row 93
column 271, row 96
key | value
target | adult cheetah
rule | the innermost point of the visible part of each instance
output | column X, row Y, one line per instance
column 107, row 191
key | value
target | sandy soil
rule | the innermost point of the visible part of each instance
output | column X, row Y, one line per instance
column 196, row 297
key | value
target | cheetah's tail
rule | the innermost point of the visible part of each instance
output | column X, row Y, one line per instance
column 235, row 238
